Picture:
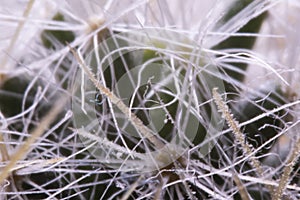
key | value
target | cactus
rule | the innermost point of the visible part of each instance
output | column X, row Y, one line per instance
column 107, row 110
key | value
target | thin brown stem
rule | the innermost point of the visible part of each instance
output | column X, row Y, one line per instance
column 239, row 136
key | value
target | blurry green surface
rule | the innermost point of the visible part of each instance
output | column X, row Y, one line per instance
column 51, row 37
column 242, row 42
column 18, row 91
column 11, row 96
column 266, row 99
column 253, row 26
column 55, row 39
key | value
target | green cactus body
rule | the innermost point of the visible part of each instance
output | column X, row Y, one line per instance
column 55, row 39
column 266, row 128
column 240, row 42
column 50, row 37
